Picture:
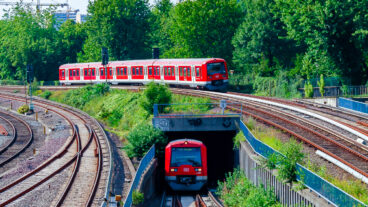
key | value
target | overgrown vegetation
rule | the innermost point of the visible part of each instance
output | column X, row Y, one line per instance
column 137, row 197
column 23, row 109
column 123, row 112
column 270, row 137
column 141, row 138
column 155, row 94
column 238, row 191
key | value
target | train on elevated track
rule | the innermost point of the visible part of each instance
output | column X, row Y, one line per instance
column 186, row 165
column 200, row 73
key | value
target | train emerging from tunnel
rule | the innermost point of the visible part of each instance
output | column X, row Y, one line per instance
column 200, row 73
column 186, row 165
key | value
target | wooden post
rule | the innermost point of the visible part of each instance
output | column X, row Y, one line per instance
column 36, row 116
column 44, row 130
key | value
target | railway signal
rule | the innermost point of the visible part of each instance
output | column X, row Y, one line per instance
column 30, row 77
column 105, row 59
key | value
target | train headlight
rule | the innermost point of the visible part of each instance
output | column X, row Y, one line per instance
column 198, row 169
column 174, row 170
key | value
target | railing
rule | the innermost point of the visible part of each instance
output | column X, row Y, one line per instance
column 142, row 167
column 319, row 185
column 353, row 105
column 336, row 91
column 196, row 109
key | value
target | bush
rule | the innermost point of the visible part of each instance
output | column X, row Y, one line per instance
column 23, row 109
column 142, row 138
column 321, row 85
column 79, row 97
column 293, row 154
column 308, row 90
column 46, row 94
column 238, row 191
column 137, row 197
column 155, row 94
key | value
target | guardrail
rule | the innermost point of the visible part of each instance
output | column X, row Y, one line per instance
column 317, row 184
column 352, row 105
column 142, row 167
column 196, row 109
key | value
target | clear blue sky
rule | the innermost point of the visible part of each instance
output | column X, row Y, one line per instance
column 75, row 4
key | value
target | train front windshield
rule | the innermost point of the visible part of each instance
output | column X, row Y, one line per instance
column 186, row 156
column 213, row 68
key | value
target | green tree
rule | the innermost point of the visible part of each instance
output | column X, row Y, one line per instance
column 155, row 94
column 333, row 32
column 142, row 138
column 27, row 37
column 120, row 25
column 321, row 85
column 259, row 42
column 71, row 39
column 292, row 154
column 159, row 25
column 203, row 28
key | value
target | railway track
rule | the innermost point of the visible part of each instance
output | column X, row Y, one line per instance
column 341, row 145
column 198, row 200
column 83, row 154
column 22, row 137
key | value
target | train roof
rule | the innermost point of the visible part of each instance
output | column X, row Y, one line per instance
column 144, row 62
column 181, row 141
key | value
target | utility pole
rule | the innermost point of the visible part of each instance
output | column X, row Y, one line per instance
column 105, row 60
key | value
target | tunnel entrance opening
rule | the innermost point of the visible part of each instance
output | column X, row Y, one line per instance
column 220, row 152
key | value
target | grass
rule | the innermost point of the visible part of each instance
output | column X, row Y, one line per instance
column 353, row 186
column 120, row 110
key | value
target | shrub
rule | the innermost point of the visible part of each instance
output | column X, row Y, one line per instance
column 155, row 94
column 321, row 85
column 308, row 90
column 137, row 197
column 142, row 138
column 23, row 109
column 293, row 154
column 237, row 139
column 238, row 191
column 46, row 94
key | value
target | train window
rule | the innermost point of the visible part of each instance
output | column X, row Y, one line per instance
column 140, row 70
column 93, row 72
column 213, row 68
column 186, row 156
column 157, row 70
column 62, row 74
column 110, row 71
column 150, row 70
column 77, row 72
column 198, row 71
column 85, row 72
column 102, row 72
column 188, row 72
column 70, row 73
column 125, row 71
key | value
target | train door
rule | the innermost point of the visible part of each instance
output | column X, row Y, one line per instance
column 137, row 72
column 103, row 73
column 185, row 73
column 121, row 73
column 154, row 72
column 198, row 73
column 169, row 73
column 62, row 74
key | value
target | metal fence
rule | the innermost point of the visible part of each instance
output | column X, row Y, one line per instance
column 336, row 91
column 353, row 105
column 197, row 109
column 319, row 185
column 142, row 167
column 20, row 83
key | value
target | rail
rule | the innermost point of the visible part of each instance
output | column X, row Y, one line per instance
column 142, row 167
column 317, row 184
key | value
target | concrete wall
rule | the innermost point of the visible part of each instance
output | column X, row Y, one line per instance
column 149, row 182
column 193, row 124
column 287, row 196
column 325, row 101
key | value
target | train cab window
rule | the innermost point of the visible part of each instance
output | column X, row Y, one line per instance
column 198, row 72
column 186, row 156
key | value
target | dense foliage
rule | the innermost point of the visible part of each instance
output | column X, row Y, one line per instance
column 142, row 138
column 238, row 191
column 271, row 45
column 155, row 94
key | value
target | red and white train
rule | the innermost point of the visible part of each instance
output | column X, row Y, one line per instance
column 201, row 73
column 186, row 165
